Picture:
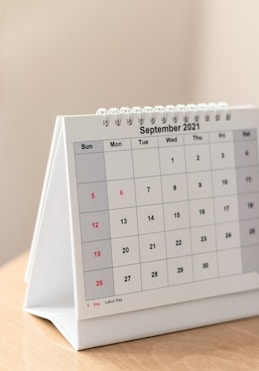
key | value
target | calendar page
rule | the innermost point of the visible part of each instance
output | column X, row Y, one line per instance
column 163, row 212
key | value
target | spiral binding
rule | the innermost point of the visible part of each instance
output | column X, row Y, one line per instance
column 163, row 114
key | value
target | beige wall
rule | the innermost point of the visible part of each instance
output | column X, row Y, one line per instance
column 64, row 56
column 227, row 53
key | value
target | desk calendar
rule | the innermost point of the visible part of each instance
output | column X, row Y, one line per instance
column 148, row 222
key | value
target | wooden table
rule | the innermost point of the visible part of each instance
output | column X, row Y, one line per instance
column 32, row 344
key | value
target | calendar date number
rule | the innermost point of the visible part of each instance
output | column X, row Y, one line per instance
column 98, row 283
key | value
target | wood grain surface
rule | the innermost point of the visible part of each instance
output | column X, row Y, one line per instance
column 30, row 343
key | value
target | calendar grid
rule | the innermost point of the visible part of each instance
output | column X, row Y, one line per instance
column 180, row 173
column 184, row 228
column 214, row 212
column 181, row 256
column 141, row 283
column 163, row 202
column 109, row 227
column 189, row 212
column 160, row 208
column 148, row 245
